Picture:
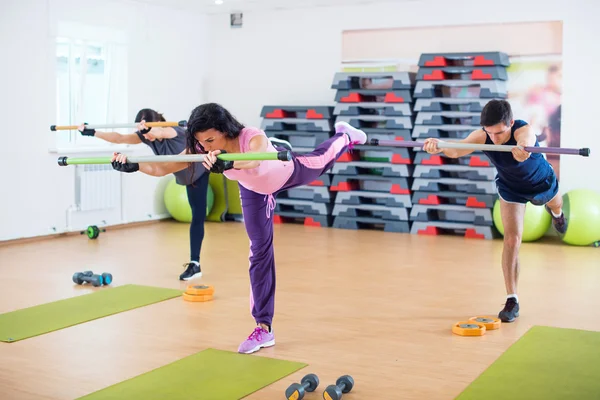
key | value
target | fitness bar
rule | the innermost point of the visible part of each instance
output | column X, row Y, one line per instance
column 585, row 152
column 117, row 126
column 279, row 156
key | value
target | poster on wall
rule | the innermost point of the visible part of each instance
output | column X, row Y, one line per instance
column 535, row 92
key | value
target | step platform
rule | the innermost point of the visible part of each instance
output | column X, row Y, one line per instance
column 448, row 118
column 372, row 168
column 451, row 213
column 377, row 122
column 455, row 198
column 358, row 197
column 451, row 185
column 383, row 109
column 371, row 223
column 371, row 211
column 475, row 159
column 393, row 155
column 323, row 221
column 455, row 228
column 373, row 80
column 464, row 59
column 310, row 193
column 301, row 112
column 461, row 89
column 300, row 139
column 443, row 131
column 455, row 171
column 437, row 104
column 293, row 124
column 462, row 73
column 372, row 183
column 374, row 96
column 303, row 206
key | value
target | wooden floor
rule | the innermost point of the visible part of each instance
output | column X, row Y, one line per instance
column 378, row 306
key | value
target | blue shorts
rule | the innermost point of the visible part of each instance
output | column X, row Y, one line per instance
column 540, row 195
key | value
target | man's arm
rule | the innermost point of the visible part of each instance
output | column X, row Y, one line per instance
column 476, row 137
column 525, row 137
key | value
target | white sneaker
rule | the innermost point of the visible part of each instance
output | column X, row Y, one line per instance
column 356, row 135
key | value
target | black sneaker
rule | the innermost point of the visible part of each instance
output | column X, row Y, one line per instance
column 191, row 271
column 510, row 311
column 282, row 144
column 559, row 224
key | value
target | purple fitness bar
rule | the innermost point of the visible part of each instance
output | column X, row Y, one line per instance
column 585, row 152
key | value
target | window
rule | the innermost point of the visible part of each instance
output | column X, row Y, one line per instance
column 91, row 85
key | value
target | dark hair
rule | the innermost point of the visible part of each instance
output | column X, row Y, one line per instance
column 210, row 116
column 149, row 115
column 495, row 112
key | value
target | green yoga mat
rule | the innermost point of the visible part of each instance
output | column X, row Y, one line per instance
column 546, row 363
column 49, row 317
column 210, row 374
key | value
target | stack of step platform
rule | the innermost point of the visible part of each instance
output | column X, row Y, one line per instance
column 373, row 183
column 455, row 195
column 305, row 127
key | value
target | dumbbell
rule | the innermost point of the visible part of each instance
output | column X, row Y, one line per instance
column 93, row 232
column 296, row 391
column 344, row 384
column 88, row 276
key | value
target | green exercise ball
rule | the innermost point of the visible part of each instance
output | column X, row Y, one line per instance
column 177, row 204
column 582, row 209
column 210, row 199
column 536, row 223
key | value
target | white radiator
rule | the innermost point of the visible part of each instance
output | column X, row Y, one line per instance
column 97, row 187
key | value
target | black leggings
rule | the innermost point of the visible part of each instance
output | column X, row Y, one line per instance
column 197, row 198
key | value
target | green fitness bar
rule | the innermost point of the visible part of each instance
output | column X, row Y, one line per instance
column 279, row 156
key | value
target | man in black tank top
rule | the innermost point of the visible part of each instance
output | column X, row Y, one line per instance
column 522, row 177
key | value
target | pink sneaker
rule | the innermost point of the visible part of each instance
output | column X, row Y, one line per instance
column 258, row 338
column 356, row 135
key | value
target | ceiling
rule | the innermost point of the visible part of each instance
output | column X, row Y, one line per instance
column 209, row 6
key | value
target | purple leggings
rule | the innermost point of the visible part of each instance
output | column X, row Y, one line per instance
column 257, row 211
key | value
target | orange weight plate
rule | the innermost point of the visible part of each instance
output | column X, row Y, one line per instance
column 200, row 290
column 197, row 297
column 468, row 328
column 490, row 323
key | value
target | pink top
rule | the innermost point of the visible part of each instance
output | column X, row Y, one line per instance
column 269, row 176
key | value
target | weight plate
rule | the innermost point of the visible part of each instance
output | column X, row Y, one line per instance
column 93, row 232
column 197, row 298
column 468, row 328
column 200, row 290
column 491, row 323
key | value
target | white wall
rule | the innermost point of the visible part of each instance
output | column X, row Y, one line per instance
column 290, row 57
column 167, row 59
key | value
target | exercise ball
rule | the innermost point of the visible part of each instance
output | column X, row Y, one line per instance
column 582, row 209
column 210, row 199
column 177, row 204
column 536, row 223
